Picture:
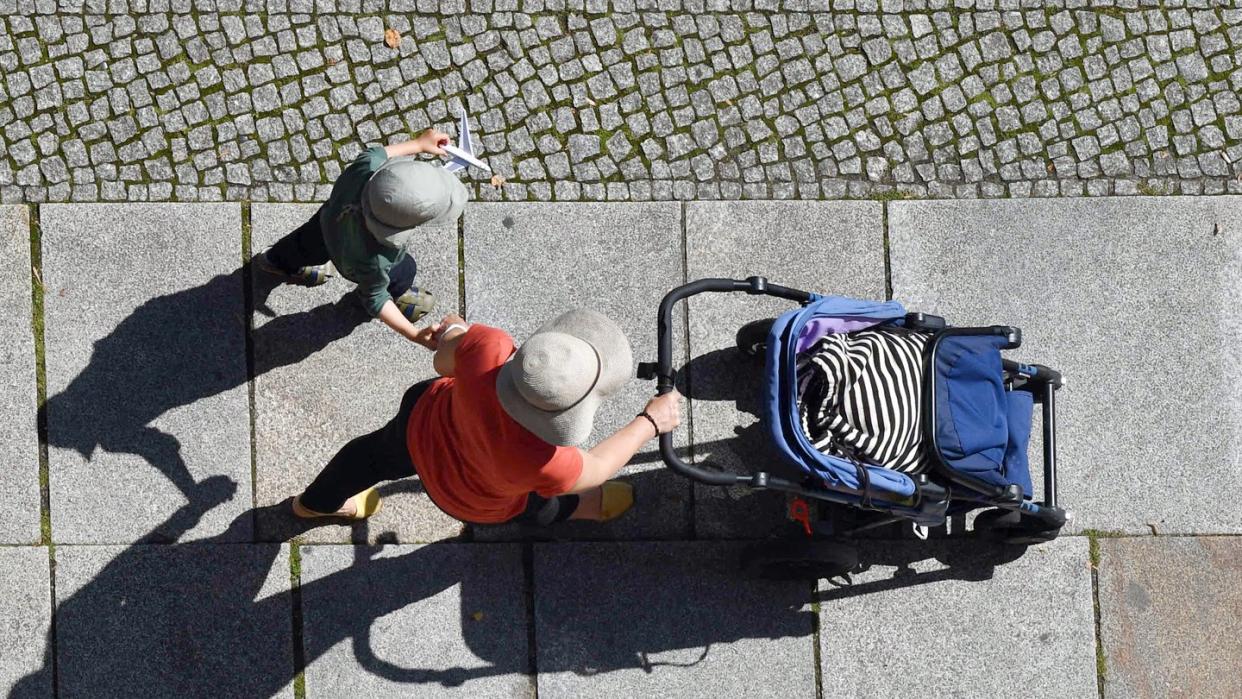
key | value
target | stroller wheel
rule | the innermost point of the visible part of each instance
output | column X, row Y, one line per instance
column 1011, row 528
column 799, row 560
column 752, row 338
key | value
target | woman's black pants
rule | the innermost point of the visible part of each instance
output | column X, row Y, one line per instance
column 383, row 456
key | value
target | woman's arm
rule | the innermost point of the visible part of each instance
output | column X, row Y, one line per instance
column 448, row 334
column 429, row 141
column 609, row 456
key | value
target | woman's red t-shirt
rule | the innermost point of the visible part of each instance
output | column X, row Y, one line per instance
column 477, row 463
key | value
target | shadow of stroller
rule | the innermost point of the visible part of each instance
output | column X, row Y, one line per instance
column 197, row 619
column 734, row 380
column 955, row 558
column 174, row 350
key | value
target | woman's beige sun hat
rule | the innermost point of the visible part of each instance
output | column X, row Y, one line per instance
column 556, row 381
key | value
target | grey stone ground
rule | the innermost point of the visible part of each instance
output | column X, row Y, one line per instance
column 146, row 365
column 630, row 100
column 1135, row 301
column 1033, row 628
column 312, row 392
column 583, row 258
column 837, row 247
column 1159, row 599
column 18, row 452
column 25, row 617
column 471, row 594
column 145, row 543
column 640, row 613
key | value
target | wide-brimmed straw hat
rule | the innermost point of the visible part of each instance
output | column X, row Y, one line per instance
column 556, row 381
column 405, row 193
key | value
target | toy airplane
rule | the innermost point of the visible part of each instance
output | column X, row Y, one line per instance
column 463, row 153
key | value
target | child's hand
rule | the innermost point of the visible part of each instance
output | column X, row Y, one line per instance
column 432, row 141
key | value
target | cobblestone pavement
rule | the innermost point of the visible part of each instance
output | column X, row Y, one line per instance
column 656, row 99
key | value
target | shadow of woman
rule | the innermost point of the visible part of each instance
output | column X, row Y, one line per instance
column 174, row 350
column 213, row 617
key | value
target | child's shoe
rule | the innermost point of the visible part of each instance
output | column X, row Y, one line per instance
column 314, row 275
column 415, row 304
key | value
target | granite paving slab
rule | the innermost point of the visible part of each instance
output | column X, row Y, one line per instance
column 173, row 621
column 146, row 366
column 25, row 621
column 1135, row 302
column 19, row 448
column 527, row 263
column 325, row 373
column 956, row 618
column 667, row 619
column 438, row 619
column 827, row 247
column 1171, row 616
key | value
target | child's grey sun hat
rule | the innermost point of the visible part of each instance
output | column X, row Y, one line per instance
column 404, row 194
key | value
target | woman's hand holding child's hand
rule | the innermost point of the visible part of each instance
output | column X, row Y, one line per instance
column 426, row 336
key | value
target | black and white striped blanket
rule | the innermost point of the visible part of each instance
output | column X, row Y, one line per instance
column 859, row 397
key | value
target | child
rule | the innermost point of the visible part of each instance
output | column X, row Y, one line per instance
column 366, row 226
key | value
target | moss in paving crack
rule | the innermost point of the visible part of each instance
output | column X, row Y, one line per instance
column 1150, row 190
column 295, row 595
column 1105, row 533
column 36, row 328
column 248, row 292
column 461, row 266
column 1101, row 660
column 815, row 636
column 891, row 195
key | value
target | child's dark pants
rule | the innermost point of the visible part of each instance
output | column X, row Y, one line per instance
column 304, row 247
column 383, row 456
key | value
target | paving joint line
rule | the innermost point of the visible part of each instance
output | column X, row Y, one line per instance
column 815, row 635
column 461, row 266
column 248, row 299
column 1101, row 659
column 888, row 252
column 51, row 630
column 686, row 355
column 45, row 489
column 296, row 617
column 40, row 357
column 532, row 637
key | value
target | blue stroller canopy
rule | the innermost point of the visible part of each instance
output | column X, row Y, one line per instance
column 781, row 399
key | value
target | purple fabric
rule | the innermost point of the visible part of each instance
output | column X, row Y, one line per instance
column 818, row 328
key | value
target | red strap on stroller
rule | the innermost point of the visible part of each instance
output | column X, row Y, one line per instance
column 800, row 511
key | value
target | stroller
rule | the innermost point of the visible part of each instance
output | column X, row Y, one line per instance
column 977, row 411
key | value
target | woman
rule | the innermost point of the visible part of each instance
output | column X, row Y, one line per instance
column 495, row 439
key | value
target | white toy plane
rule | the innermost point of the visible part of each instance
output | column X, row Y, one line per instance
column 463, row 153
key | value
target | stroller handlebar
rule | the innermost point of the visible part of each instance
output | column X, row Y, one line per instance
column 664, row 333
column 664, row 372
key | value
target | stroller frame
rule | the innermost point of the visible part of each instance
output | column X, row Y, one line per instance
column 1018, row 519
